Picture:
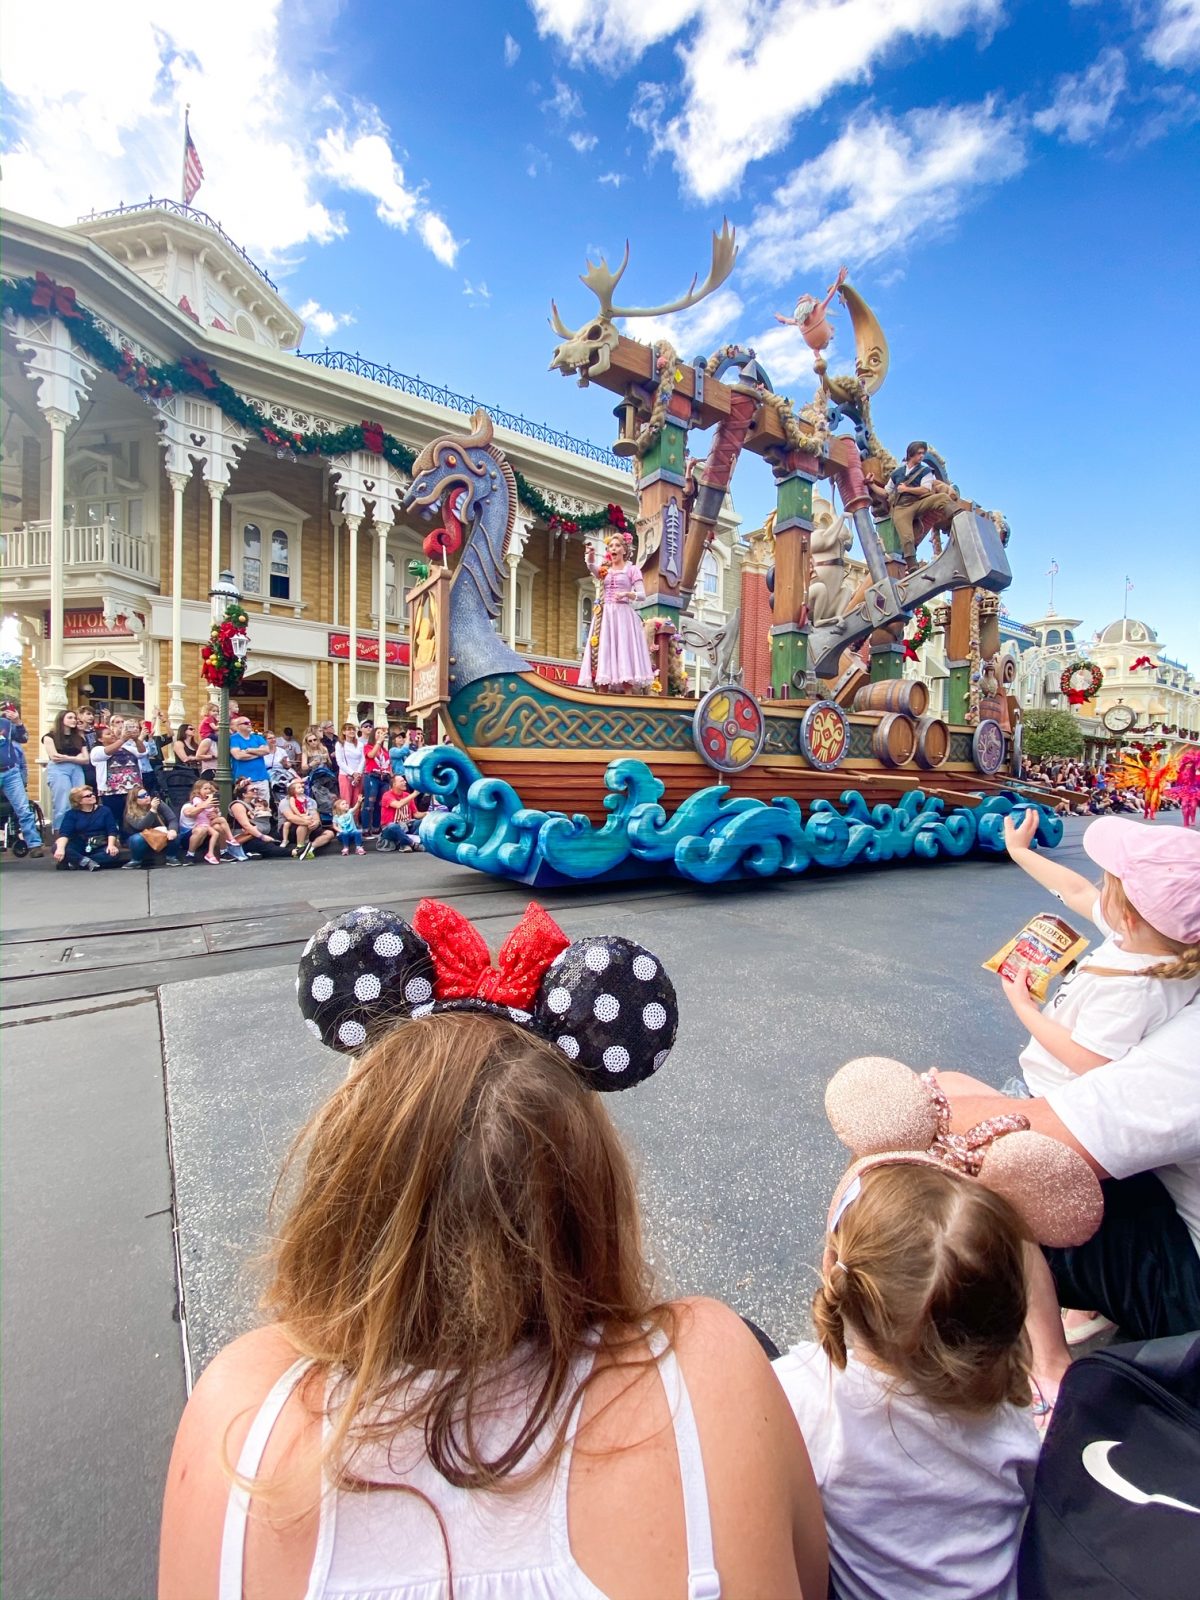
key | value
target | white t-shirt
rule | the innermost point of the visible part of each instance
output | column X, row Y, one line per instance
column 350, row 757
column 1105, row 1015
column 1142, row 1113
column 918, row 1503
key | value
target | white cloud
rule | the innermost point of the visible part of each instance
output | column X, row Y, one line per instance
column 477, row 293
column 750, row 67
column 884, row 183
column 1084, row 102
column 104, row 123
column 564, row 103
column 583, row 142
column 614, row 179
column 788, row 360
column 512, row 51
column 322, row 322
column 1175, row 38
column 536, row 161
column 366, row 163
column 692, row 332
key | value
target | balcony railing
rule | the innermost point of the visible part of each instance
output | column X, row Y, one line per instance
column 421, row 389
column 87, row 545
column 176, row 208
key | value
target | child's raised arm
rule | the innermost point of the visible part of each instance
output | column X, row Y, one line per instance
column 1072, row 888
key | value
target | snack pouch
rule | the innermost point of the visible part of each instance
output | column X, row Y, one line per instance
column 1045, row 947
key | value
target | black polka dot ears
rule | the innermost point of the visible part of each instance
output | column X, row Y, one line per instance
column 606, row 1003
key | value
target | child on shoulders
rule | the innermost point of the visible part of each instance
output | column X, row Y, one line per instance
column 914, row 1399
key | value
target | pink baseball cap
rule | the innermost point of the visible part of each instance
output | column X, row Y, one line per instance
column 1159, row 869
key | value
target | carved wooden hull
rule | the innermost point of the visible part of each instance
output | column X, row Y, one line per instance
column 552, row 743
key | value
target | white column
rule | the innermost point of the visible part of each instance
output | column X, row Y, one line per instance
column 352, row 526
column 382, row 529
column 335, row 671
column 55, row 695
column 216, row 491
column 175, row 707
column 513, row 554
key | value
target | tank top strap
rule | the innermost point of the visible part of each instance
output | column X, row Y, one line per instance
column 704, row 1582
column 233, row 1535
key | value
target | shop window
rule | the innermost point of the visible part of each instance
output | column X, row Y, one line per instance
column 252, row 559
column 710, row 578
column 281, row 582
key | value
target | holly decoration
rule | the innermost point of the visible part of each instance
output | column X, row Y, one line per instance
column 1076, row 692
column 923, row 618
column 42, row 296
column 221, row 664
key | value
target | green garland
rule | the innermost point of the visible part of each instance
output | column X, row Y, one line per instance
column 41, row 296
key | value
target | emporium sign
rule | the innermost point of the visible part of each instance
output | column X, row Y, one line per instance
column 556, row 671
column 84, row 622
column 368, row 649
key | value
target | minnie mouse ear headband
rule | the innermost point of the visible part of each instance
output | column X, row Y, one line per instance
column 605, row 1003
column 888, row 1116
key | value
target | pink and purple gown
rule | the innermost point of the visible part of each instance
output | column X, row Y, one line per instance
column 622, row 659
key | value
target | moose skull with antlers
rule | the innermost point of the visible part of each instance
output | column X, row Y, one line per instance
column 589, row 350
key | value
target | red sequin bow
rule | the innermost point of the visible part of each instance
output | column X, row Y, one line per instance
column 56, row 297
column 463, row 964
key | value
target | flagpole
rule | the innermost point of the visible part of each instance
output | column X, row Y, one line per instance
column 183, row 167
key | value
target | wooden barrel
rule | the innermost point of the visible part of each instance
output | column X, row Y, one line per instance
column 933, row 742
column 893, row 738
column 909, row 696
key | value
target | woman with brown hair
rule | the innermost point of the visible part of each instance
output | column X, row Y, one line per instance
column 464, row 1314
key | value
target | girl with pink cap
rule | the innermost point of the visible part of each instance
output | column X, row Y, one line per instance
column 1145, row 971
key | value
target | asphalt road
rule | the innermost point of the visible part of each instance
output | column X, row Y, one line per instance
column 153, row 1055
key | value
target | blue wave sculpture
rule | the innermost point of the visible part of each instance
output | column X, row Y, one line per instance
column 480, row 822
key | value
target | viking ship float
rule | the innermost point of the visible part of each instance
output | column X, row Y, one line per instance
column 830, row 761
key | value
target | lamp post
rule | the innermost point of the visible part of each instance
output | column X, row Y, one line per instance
column 225, row 593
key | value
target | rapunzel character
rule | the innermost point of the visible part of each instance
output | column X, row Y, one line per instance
column 616, row 655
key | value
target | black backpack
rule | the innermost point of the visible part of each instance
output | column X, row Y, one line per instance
column 1115, row 1513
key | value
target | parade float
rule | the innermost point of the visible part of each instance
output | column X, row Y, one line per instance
column 830, row 758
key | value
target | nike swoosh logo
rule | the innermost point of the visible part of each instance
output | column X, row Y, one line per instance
column 1097, row 1466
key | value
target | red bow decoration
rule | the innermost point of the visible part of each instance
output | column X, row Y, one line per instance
column 463, row 966
column 1076, row 697
column 54, row 297
column 909, row 653
column 1144, row 661
column 195, row 368
column 372, row 433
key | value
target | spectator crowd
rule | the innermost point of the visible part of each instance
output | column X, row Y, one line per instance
column 131, row 794
column 1085, row 790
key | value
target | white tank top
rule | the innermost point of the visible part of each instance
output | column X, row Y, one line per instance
column 384, row 1545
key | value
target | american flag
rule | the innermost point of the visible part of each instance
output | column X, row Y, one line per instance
column 193, row 172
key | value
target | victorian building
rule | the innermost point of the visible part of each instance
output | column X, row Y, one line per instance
column 125, row 495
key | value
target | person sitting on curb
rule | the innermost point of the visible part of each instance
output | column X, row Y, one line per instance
column 251, row 824
column 399, row 831
column 89, row 836
column 12, row 782
column 202, row 821
column 299, row 818
column 152, row 830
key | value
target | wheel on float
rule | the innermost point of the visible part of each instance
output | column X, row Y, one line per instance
column 728, row 728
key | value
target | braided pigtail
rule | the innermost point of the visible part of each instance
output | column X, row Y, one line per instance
column 1186, row 964
column 828, row 1319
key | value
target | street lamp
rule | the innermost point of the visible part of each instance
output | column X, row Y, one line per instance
column 225, row 593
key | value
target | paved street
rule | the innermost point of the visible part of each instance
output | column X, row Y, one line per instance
column 155, row 1068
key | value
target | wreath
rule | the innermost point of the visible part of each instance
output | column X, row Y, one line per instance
column 1075, row 694
column 923, row 618
column 223, row 658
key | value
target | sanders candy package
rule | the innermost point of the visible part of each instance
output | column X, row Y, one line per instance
column 1045, row 947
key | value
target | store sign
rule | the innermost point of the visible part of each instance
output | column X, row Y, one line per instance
column 555, row 671
column 368, row 649
column 82, row 622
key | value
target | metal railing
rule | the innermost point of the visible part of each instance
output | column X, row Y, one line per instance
column 86, row 545
column 344, row 361
column 176, row 208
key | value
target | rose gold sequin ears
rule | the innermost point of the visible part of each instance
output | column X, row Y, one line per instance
column 885, row 1114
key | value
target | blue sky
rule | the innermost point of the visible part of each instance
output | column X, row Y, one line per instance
column 1011, row 185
